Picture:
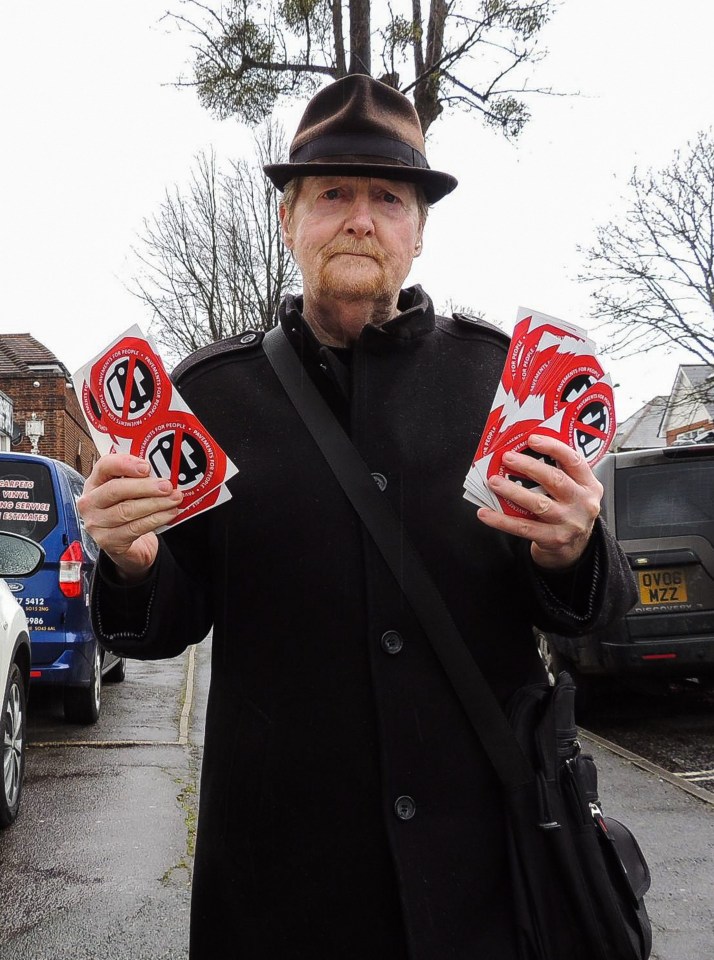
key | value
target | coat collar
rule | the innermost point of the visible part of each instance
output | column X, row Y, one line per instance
column 415, row 320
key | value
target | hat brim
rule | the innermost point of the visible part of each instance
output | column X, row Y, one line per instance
column 434, row 183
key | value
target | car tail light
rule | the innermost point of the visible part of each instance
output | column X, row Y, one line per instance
column 70, row 570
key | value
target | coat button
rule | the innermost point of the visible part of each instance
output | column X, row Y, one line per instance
column 247, row 338
column 391, row 641
column 405, row 808
column 380, row 480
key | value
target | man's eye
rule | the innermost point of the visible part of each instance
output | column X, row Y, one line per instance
column 391, row 198
column 332, row 194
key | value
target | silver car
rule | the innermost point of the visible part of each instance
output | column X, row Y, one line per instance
column 19, row 557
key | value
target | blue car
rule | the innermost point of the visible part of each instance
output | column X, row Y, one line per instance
column 38, row 499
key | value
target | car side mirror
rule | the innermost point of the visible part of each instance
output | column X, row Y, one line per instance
column 19, row 556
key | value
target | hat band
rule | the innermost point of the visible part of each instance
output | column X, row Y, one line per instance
column 357, row 145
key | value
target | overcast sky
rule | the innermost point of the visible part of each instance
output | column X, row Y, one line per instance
column 93, row 133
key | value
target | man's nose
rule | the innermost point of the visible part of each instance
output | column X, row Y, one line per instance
column 359, row 222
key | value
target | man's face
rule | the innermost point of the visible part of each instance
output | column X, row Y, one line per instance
column 354, row 238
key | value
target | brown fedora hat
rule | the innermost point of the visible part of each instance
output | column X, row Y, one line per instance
column 360, row 127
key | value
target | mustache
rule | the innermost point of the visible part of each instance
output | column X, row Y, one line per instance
column 358, row 248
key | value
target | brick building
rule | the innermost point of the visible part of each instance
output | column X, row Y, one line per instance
column 37, row 382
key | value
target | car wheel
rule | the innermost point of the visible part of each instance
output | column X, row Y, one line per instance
column 83, row 704
column 13, row 754
column 117, row 672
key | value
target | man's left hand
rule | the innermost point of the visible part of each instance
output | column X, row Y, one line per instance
column 564, row 512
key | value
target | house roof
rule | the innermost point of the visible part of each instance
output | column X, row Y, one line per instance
column 642, row 429
column 697, row 372
column 21, row 356
column 692, row 396
column 698, row 375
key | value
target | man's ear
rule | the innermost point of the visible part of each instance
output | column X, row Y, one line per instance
column 285, row 226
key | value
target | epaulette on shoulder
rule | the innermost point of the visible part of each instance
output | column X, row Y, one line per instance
column 242, row 343
column 465, row 324
column 473, row 321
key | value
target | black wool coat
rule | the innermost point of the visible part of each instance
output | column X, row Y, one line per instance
column 347, row 809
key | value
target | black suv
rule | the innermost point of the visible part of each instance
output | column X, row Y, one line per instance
column 660, row 506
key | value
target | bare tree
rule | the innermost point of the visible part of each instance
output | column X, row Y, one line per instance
column 653, row 271
column 452, row 306
column 446, row 53
column 212, row 260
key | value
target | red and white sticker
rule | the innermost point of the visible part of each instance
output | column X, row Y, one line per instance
column 211, row 499
column 571, row 383
column 130, row 385
column 588, row 423
column 180, row 450
column 91, row 410
column 552, row 383
column 131, row 406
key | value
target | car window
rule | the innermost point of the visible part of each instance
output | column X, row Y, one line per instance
column 27, row 499
column 76, row 484
column 667, row 499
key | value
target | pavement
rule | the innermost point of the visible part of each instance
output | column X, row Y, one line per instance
column 674, row 825
column 98, row 865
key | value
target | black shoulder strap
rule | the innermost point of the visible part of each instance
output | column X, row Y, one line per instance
column 481, row 706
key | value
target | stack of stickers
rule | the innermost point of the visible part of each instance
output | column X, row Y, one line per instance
column 131, row 406
column 552, row 384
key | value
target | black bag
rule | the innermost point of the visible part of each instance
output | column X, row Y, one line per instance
column 578, row 877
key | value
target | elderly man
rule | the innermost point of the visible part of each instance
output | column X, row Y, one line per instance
column 347, row 808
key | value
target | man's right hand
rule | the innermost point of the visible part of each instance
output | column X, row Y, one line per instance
column 122, row 505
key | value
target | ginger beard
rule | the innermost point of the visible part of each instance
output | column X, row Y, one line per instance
column 352, row 270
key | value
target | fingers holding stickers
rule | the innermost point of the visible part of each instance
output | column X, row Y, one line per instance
column 123, row 506
column 552, row 420
column 161, row 466
column 557, row 497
